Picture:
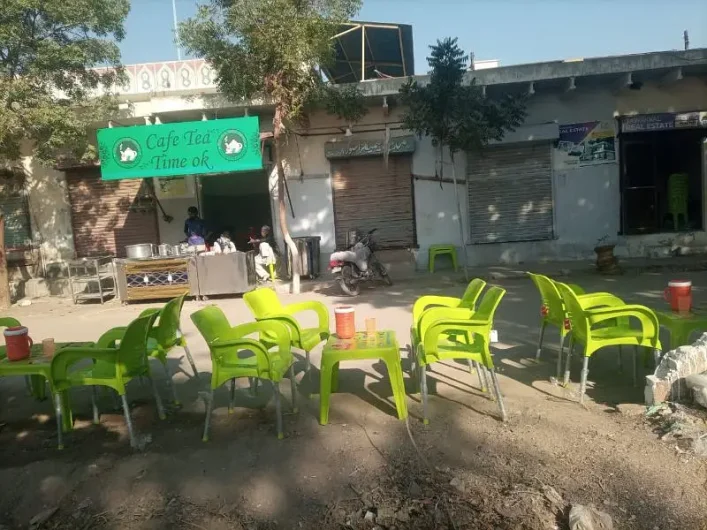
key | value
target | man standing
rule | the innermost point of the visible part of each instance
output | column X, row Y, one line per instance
column 267, row 252
column 194, row 227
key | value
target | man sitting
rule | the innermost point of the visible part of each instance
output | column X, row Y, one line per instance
column 267, row 253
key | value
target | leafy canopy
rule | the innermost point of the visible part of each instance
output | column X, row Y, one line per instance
column 47, row 88
column 453, row 113
column 268, row 48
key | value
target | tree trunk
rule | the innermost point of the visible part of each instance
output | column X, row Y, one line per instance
column 461, row 218
column 4, row 279
column 282, row 209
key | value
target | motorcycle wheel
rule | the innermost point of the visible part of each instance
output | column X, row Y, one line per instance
column 383, row 273
column 348, row 285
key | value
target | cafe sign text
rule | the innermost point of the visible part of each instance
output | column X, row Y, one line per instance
column 185, row 148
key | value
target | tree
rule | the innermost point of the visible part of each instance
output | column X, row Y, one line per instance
column 49, row 95
column 457, row 114
column 270, row 49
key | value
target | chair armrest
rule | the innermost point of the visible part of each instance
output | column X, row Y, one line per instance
column 237, row 337
column 319, row 308
column 433, row 315
column 68, row 356
column 425, row 302
column 448, row 326
column 270, row 327
column 576, row 289
column 110, row 337
column 648, row 319
column 288, row 320
column 591, row 300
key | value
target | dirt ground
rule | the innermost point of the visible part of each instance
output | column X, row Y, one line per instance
column 465, row 470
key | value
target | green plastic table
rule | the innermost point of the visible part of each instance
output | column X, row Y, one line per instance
column 38, row 368
column 682, row 325
column 381, row 345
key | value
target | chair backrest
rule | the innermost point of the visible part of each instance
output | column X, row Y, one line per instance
column 211, row 323
column 9, row 322
column 552, row 307
column 132, row 350
column 489, row 304
column 575, row 313
column 472, row 293
column 166, row 329
column 262, row 302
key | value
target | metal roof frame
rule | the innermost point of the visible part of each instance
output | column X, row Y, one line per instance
column 352, row 63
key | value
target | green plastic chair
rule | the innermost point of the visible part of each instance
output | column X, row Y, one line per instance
column 600, row 327
column 166, row 335
column 265, row 305
column 553, row 312
column 678, row 193
column 226, row 342
column 436, row 305
column 119, row 356
column 461, row 334
column 440, row 250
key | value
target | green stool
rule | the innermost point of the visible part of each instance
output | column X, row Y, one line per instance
column 438, row 250
column 382, row 345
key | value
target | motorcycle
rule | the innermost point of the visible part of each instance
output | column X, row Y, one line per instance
column 358, row 264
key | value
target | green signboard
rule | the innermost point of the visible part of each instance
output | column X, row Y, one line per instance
column 186, row 148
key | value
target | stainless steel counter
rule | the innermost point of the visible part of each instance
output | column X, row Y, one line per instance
column 166, row 277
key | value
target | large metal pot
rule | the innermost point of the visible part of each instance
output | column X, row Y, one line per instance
column 165, row 250
column 140, row 251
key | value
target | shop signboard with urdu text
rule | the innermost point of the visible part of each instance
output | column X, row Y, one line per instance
column 585, row 144
column 176, row 149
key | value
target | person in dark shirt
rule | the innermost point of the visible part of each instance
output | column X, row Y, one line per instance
column 194, row 227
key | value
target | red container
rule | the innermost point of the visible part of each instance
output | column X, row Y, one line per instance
column 345, row 321
column 679, row 295
column 17, row 343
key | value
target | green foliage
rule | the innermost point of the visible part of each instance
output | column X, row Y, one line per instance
column 455, row 114
column 267, row 48
column 49, row 96
column 346, row 102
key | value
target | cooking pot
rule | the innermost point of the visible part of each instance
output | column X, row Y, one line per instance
column 140, row 251
column 165, row 250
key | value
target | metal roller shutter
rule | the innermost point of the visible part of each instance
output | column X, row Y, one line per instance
column 368, row 195
column 108, row 215
column 510, row 193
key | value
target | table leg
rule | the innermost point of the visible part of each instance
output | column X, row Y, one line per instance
column 325, row 378
column 67, row 416
column 335, row 377
column 679, row 336
column 38, row 387
column 395, row 374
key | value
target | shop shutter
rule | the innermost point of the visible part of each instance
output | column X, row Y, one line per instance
column 510, row 193
column 15, row 207
column 107, row 215
column 368, row 195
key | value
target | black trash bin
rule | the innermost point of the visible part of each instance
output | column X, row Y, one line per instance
column 308, row 248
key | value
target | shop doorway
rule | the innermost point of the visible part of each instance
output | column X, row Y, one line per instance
column 662, row 177
column 237, row 202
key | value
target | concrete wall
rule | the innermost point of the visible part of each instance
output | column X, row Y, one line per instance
column 50, row 211
column 587, row 200
column 309, row 180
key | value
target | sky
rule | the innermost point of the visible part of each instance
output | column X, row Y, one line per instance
column 512, row 31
